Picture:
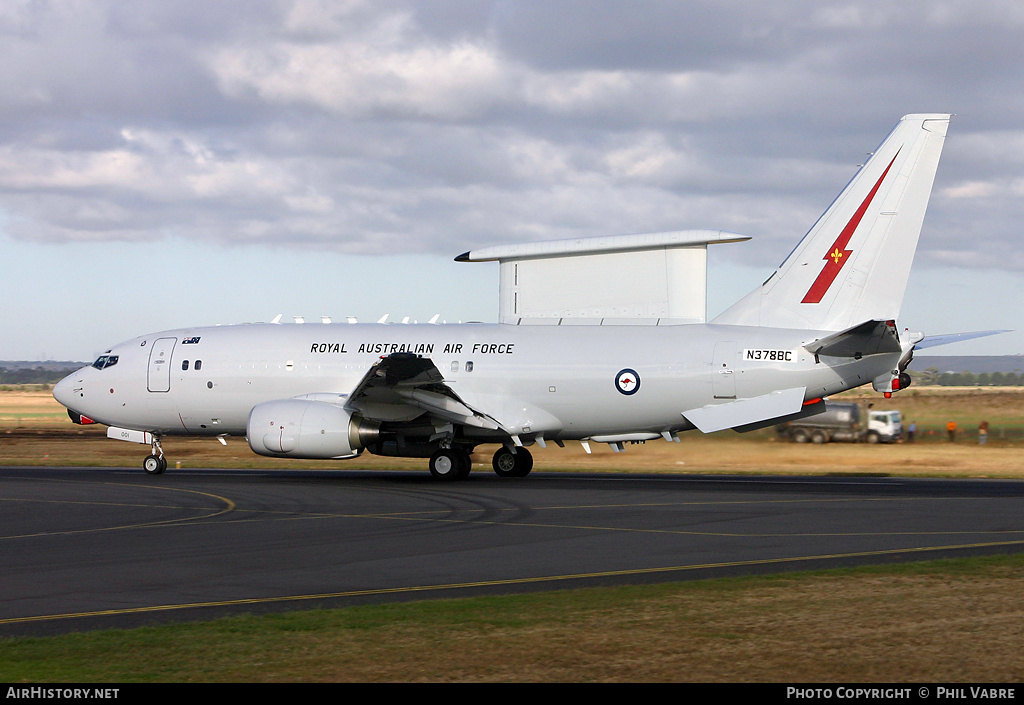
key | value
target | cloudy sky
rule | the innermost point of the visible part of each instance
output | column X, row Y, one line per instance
column 182, row 162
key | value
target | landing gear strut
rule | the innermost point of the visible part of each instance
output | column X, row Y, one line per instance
column 156, row 463
column 509, row 464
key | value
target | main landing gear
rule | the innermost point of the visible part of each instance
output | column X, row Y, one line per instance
column 450, row 464
column 512, row 463
column 455, row 464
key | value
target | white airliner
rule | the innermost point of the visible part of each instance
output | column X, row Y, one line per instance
column 599, row 340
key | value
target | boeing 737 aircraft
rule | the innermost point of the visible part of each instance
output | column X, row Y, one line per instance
column 599, row 340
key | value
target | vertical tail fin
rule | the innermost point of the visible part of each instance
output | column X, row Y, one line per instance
column 853, row 264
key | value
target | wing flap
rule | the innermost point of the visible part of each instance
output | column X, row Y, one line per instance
column 402, row 386
column 447, row 407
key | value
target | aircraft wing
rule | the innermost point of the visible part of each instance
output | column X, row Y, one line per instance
column 402, row 386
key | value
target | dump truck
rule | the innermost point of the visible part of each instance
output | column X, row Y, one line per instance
column 845, row 421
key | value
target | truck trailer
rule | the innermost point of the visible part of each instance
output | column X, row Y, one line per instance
column 845, row 421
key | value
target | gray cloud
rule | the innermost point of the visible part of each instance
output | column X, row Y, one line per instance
column 390, row 126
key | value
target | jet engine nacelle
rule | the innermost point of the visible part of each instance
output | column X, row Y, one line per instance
column 301, row 428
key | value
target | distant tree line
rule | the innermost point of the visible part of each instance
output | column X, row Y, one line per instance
column 932, row 376
column 31, row 375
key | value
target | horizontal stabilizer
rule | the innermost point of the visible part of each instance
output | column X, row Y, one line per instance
column 744, row 412
column 868, row 338
column 932, row 341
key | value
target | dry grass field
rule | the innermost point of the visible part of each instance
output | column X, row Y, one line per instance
column 35, row 430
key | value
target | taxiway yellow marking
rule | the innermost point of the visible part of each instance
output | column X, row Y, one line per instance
column 493, row 583
column 445, row 515
column 229, row 506
column 684, row 532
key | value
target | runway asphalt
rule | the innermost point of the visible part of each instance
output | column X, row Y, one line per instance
column 92, row 548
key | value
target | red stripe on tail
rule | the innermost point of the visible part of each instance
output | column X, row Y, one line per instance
column 835, row 258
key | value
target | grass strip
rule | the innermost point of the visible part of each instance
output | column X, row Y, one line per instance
column 950, row 620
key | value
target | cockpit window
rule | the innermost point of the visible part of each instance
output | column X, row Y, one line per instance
column 104, row 361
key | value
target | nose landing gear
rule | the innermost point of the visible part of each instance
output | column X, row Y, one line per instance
column 156, row 463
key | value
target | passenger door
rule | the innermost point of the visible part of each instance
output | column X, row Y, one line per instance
column 160, row 364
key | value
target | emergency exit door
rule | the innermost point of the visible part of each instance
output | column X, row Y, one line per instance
column 723, row 373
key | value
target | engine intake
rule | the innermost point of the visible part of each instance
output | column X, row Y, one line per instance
column 301, row 428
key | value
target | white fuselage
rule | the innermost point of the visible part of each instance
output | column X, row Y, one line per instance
column 822, row 323
column 560, row 380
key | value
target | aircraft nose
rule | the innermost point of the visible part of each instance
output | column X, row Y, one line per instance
column 64, row 390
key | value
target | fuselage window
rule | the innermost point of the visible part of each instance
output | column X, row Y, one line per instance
column 104, row 361
column 184, row 364
column 199, row 364
column 469, row 367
